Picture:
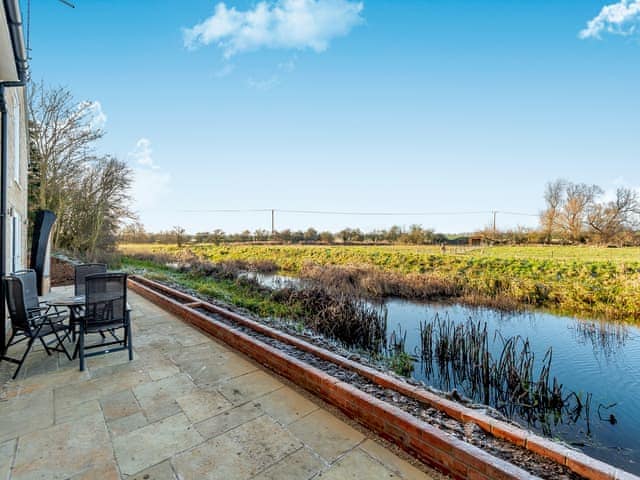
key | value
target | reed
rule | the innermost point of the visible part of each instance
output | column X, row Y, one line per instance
column 511, row 381
column 338, row 315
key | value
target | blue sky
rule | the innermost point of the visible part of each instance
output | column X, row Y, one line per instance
column 413, row 106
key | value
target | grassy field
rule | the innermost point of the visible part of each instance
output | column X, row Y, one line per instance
column 584, row 281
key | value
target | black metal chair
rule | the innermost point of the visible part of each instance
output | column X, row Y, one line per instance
column 81, row 273
column 34, row 306
column 31, row 325
column 105, row 310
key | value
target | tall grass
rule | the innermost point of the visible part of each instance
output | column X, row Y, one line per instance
column 589, row 282
column 345, row 317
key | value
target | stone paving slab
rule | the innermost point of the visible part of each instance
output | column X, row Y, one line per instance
column 186, row 408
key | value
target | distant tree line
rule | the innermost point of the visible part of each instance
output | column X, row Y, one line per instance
column 574, row 213
column 414, row 235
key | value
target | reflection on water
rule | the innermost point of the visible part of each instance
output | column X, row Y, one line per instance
column 606, row 338
column 592, row 369
column 595, row 365
column 271, row 280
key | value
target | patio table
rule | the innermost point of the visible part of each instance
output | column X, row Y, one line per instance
column 75, row 303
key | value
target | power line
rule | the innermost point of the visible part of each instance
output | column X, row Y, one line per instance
column 231, row 210
column 358, row 213
column 520, row 214
column 417, row 214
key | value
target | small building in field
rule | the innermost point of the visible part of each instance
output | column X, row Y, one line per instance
column 477, row 240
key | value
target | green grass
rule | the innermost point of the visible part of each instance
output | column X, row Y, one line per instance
column 226, row 291
column 583, row 281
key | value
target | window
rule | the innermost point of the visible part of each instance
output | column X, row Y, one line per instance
column 16, row 244
column 16, row 138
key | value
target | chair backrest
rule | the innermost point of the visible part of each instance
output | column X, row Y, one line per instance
column 14, row 292
column 30, row 288
column 105, row 298
column 81, row 272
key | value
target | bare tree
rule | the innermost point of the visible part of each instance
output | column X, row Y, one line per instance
column 88, row 193
column 550, row 216
column 179, row 234
column 579, row 198
column 609, row 220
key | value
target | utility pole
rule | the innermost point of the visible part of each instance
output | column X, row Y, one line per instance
column 273, row 222
column 495, row 213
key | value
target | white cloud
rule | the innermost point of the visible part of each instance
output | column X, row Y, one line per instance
column 142, row 153
column 279, row 24
column 622, row 18
column 150, row 183
column 98, row 118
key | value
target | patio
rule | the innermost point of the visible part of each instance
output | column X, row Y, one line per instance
column 187, row 407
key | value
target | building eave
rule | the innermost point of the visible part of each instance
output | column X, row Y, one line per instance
column 16, row 37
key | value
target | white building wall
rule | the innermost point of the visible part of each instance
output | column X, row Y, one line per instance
column 17, row 181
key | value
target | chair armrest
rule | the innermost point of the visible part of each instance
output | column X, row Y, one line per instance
column 56, row 317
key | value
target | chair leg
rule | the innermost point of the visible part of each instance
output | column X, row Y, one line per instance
column 4, row 352
column 81, row 348
column 44, row 344
column 24, row 356
column 61, row 344
column 129, row 338
column 73, row 324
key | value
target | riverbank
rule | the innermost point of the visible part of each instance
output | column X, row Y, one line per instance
column 588, row 282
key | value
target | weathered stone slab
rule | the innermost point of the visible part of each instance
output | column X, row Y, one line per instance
column 357, row 464
column 238, row 454
column 64, row 450
column 301, row 465
column 229, row 419
column 200, row 405
column 162, row 471
column 121, row 426
column 25, row 413
column 158, row 399
column 325, row 434
column 392, row 461
column 154, row 443
column 249, row 386
column 70, row 395
column 78, row 412
column 286, row 405
column 264, row 441
column 7, row 451
column 107, row 471
column 120, row 404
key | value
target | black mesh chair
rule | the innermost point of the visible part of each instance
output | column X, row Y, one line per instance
column 33, row 304
column 81, row 273
column 31, row 326
column 105, row 310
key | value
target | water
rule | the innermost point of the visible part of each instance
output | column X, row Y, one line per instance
column 588, row 357
column 606, row 366
column 271, row 280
